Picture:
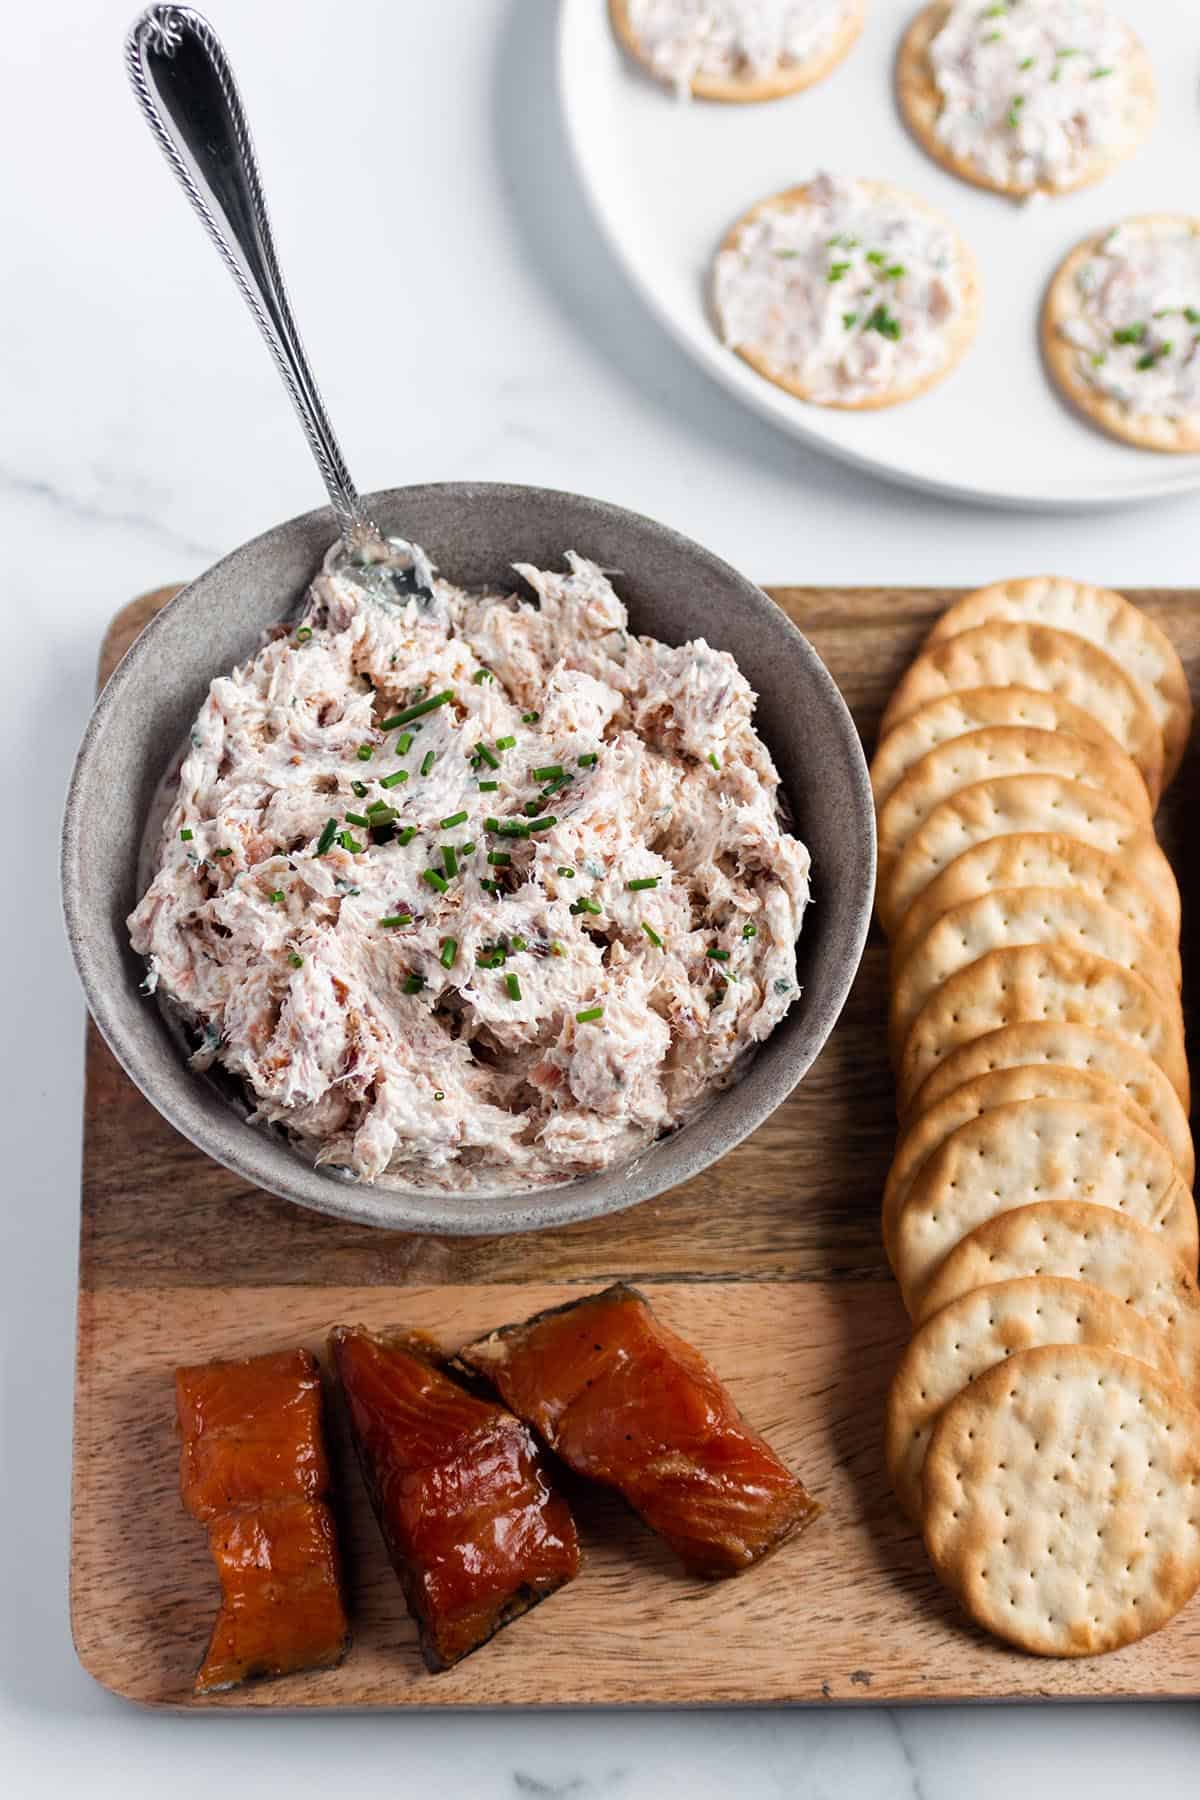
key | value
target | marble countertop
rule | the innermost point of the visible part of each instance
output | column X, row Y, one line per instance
column 476, row 327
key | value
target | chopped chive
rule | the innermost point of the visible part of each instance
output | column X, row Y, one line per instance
column 365, row 752
column 645, row 881
column 450, row 859
column 552, row 787
column 532, row 808
column 1130, row 334
column 490, row 824
column 488, row 787
column 546, row 824
column 562, row 869
column 427, row 761
column 407, row 835
column 415, row 712
column 1192, row 315
column 652, row 935
column 303, row 633
column 713, row 760
column 394, row 919
column 530, row 718
column 351, row 844
column 458, row 818
column 836, row 270
column 514, row 987
column 325, row 841
column 718, row 955
column 276, row 895
column 549, row 772
column 404, row 743
column 749, row 931
column 1026, row 62
column 434, row 880
column 380, row 813
column 589, row 1015
column 517, row 943
column 876, row 257
column 391, row 781
column 414, row 984
column 467, row 849
column 588, row 761
column 1099, row 74
column 449, row 955
column 585, row 905
column 187, row 835
column 893, row 272
column 1156, row 355
column 493, row 762
column 513, row 828
column 492, row 957
column 506, row 743
column 482, row 675
column 224, row 852
column 358, row 819
column 297, row 962
column 1012, row 117
column 884, row 322
column 490, row 887
column 359, row 788
column 499, row 859
column 849, row 320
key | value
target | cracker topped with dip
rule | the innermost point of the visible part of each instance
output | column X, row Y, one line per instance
column 846, row 293
column 1025, row 96
column 737, row 50
column 1121, row 331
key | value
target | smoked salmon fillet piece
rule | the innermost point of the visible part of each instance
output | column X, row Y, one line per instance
column 253, row 1469
column 624, row 1401
column 474, row 1528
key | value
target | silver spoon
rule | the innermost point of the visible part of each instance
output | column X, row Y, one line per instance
column 184, row 85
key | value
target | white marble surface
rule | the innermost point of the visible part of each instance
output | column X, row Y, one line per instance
column 142, row 432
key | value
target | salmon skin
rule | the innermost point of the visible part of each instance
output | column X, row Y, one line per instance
column 474, row 1529
column 624, row 1401
column 253, row 1469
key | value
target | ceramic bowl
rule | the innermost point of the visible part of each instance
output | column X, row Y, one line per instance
column 474, row 532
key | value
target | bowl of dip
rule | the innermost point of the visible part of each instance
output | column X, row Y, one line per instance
column 158, row 700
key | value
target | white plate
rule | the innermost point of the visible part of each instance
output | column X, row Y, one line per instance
column 667, row 178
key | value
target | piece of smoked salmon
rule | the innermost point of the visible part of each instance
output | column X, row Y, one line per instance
column 474, row 1529
column 253, row 1468
column 624, row 1401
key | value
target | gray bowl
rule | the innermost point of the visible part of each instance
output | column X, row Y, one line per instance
column 474, row 532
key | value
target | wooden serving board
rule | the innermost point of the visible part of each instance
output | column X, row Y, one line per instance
column 771, row 1263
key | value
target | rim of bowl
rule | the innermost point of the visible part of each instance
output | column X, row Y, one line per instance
column 260, row 1158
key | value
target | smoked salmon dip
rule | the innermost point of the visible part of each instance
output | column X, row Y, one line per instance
column 474, row 890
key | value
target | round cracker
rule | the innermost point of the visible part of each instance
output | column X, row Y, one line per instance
column 1022, row 804
column 1031, row 915
column 920, row 103
column 1042, row 981
column 1146, row 431
column 1037, row 859
column 958, row 340
column 980, row 1329
column 1037, row 656
column 929, row 1130
column 1030, row 1150
column 989, row 755
column 1040, row 1042
column 789, row 78
column 1095, row 1244
column 1106, row 619
column 972, row 710
column 1062, row 1499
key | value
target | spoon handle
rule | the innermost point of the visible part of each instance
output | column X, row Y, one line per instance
column 184, row 85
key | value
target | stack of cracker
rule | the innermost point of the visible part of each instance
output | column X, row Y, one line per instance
column 1043, row 1425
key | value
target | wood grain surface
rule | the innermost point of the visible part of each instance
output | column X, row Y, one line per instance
column 771, row 1263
